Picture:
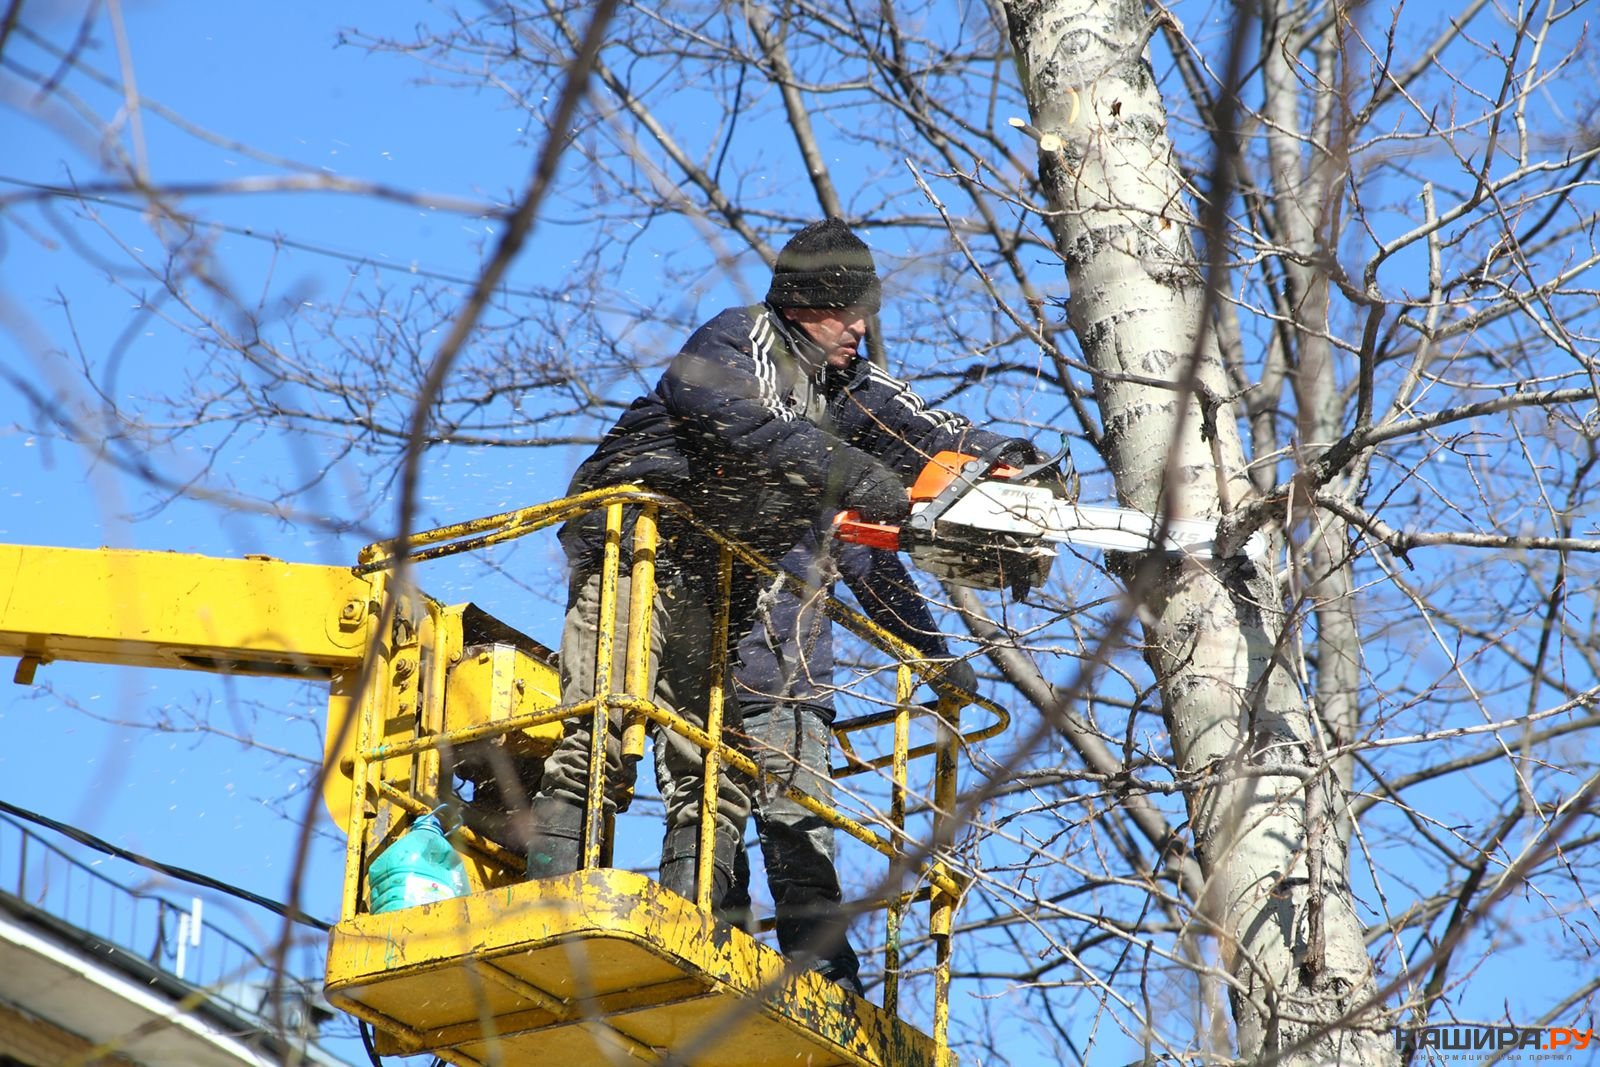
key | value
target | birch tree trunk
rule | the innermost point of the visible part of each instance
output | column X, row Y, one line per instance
column 1260, row 800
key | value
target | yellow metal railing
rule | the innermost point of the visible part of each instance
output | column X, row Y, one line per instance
column 507, row 526
column 636, row 710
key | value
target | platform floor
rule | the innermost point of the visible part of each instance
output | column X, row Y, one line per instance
column 598, row 967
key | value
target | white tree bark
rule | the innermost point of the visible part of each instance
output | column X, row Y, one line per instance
column 1276, row 891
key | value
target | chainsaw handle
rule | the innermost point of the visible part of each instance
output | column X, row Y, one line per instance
column 1050, row 463
column 850, row 527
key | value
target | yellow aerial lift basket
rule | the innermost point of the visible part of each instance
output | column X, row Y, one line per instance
column 604, row 965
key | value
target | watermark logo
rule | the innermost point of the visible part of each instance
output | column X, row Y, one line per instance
column 1468, row 1042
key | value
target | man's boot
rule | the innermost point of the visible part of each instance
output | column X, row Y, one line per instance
column 844, row 971
column 737, row 907
column 681, row 849
column 811, row 923
column 556, row 844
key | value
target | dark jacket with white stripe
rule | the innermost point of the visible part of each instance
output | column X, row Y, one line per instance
column 758, row 448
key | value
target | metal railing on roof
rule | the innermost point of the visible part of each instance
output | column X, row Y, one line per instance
column 156, row 930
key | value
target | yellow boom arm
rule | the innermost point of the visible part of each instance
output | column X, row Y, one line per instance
column 165, row 609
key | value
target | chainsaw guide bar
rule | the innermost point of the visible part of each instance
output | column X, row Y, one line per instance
column 983, row 525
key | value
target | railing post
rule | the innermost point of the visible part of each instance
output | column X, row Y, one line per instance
column 942, row 904
column 594, row 821
column 712, row 768
column 905, row 684
column 641, row 613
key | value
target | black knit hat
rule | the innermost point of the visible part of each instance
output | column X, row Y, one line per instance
column 825, row 265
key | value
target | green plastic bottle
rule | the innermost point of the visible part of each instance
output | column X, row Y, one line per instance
column 419, row 868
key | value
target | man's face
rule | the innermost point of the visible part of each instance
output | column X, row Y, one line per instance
column 838, row 331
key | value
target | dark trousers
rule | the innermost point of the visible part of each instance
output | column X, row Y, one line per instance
column 679, row 679
column 791, row 741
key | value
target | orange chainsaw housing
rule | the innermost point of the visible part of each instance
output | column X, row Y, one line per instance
column 934, row 479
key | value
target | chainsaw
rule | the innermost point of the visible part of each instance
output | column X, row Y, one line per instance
column 983, row 524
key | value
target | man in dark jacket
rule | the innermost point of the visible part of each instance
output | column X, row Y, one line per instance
column 784, row 679
column 765, row 422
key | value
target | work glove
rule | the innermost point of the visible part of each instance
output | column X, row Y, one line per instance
column 878, row 496
column 957, row 674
